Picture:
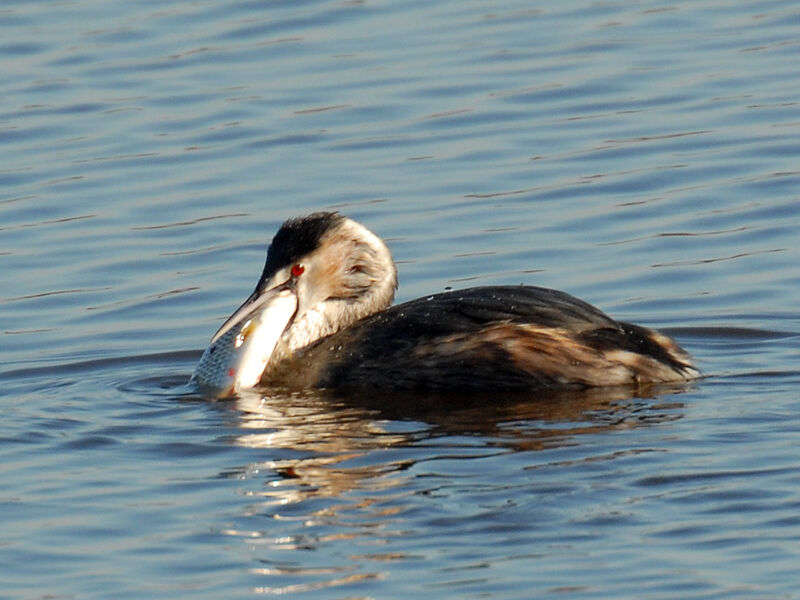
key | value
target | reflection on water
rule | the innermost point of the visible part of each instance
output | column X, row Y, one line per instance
column 344, row 472
column 326, row 436
column 319, row 421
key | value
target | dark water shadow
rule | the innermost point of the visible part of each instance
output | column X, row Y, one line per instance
column 484, row 413
column 322, row 444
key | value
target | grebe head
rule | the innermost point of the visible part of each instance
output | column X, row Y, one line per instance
column 323, row 272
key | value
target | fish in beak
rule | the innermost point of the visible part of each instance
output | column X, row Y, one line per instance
column 240, row 350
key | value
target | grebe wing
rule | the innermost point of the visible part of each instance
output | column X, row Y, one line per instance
column 502, row 337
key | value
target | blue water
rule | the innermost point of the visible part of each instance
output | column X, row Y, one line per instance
column 642, row 156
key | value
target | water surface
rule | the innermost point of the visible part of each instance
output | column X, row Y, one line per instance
column 641, row 156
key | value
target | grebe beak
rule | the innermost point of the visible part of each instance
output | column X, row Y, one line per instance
column 261, row 296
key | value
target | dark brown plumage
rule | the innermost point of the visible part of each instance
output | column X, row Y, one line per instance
column 487, row 338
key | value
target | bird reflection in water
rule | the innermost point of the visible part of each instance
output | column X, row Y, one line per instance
column 335, row 434
column 347, row 473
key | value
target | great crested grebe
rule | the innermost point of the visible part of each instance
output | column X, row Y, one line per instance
column 320, row 317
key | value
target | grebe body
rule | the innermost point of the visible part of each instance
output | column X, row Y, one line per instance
column 320, row 317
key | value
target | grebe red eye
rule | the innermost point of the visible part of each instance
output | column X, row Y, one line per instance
column 297, row 270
